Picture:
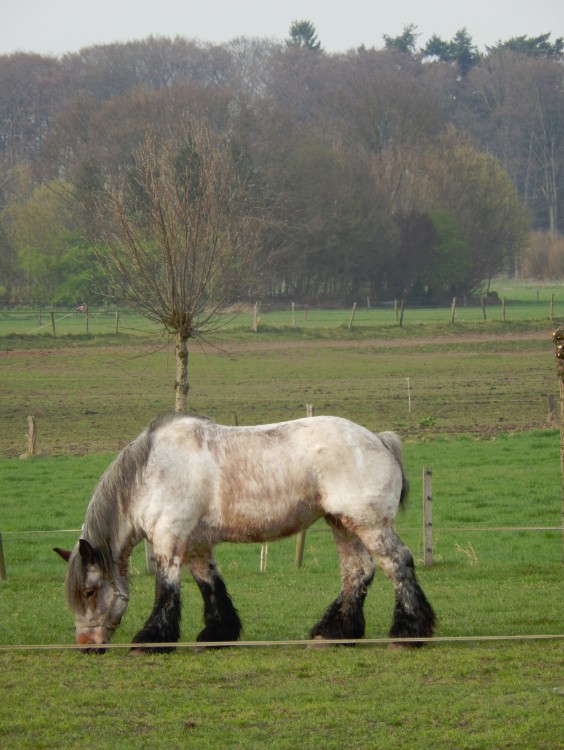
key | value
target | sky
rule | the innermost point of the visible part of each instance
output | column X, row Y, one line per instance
column 55, row 27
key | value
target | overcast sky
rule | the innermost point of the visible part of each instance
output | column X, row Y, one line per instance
column 59, row 26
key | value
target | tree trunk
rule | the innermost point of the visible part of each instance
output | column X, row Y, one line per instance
column 181, row 385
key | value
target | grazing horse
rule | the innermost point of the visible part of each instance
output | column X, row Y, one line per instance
column 187, row 483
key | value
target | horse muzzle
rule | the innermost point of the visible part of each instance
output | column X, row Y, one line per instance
column 92, row 637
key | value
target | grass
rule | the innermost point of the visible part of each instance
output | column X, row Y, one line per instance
column 472, row 695
column 95, row 399
column 483, row 698
column 93, row 394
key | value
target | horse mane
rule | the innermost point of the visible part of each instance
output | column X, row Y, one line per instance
column 392, row 442
column 109, row 504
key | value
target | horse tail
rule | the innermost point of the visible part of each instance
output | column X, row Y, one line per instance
column 392, row 442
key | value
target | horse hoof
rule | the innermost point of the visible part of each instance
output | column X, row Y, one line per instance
column 407, row 646
column 318, row 642
column 150, row 650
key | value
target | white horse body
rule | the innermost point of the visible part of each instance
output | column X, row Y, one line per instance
column 248, row 484
column 187, row 483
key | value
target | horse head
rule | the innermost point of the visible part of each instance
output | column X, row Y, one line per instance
column 93, row 594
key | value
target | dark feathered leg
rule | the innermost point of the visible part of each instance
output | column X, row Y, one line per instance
column 413, row 614
column 221, row 619
column 163, row 625
column 344, row 618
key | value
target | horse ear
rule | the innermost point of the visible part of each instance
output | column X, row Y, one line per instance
column 86, row 551
column 64, row 553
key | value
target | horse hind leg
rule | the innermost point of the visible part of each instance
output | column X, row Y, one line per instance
column 413, row 614
column 344, row 617
column 221, row 619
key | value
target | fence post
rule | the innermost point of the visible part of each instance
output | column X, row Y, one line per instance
column 293, row 314
column 301, row 535
column 428, row 516
column 150, row 558
column 263, row 557
column 552, row 419
column 53, row 324
column 551, row 306
column 558, row 338
column 453, row 310
column 117, row 322
column 401, row 313
column 3, row 576
column 31, row 435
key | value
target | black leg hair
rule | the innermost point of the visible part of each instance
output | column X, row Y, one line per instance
column 163, row 625
column 344, row 617
column 413, row 614
column 221, row 619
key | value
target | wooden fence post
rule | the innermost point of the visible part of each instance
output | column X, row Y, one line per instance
column 301, row 535
column 352, row 316
column 150, row 558
column 117, row 322
column 551, row 418
column 31, row 435
column 263, row 557
column 551, row 307
column 293, row 314
column 558, row 338
column 428, row 516
column 53, row 324
column 453, row 310
column 401, row 313
column 3, row 576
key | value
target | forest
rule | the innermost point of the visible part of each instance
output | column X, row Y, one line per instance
column 402, row 172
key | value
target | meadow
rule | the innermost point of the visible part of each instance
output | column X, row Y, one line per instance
column 474, row 409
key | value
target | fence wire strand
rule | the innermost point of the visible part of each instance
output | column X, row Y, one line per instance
column 198, row 646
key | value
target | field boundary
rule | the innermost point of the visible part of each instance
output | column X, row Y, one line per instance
column 403, row 528
column 199, row 646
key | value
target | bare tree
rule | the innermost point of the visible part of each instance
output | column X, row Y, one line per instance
column 179, row 235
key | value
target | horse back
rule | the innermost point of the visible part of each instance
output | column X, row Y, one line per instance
column 266, row 481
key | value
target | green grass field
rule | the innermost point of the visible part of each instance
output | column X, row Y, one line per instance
column 476, row 413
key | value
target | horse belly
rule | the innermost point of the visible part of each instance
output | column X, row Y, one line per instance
column 267, row 506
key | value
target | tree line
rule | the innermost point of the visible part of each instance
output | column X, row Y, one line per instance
column 390, row 173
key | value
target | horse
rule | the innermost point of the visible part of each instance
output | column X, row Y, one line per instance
column 187, row 483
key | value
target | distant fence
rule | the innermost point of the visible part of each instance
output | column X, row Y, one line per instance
column 85, row 320
column 71, row 322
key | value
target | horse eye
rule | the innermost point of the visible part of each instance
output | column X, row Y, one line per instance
column 89, row 593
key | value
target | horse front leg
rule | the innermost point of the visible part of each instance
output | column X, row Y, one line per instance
column 163, row 625
column 221, row 619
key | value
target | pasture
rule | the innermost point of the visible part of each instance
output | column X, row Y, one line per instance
column 475, row 411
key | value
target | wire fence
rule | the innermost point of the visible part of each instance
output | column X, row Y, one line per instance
column 84, row 320
column 198, row 646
